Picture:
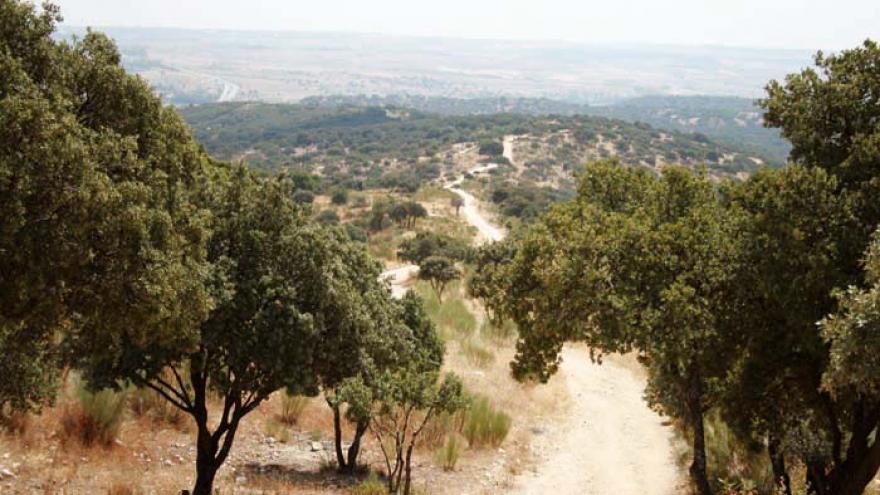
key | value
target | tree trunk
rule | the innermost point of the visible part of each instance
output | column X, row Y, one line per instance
column 407, row 487
column 816, row 479
column 854, row 475
column 206, row 465
column 694, row 404
column 355, row 447
column 698, row 466
column 777, row 462
column 205, row 473
column 342, row 466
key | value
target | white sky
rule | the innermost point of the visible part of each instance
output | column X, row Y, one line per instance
column 808, row 24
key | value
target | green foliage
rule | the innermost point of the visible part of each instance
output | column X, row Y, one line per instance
column 304, row 197
column 647, row 260
column 426, row 244
column 370, row 486
column 525, row 201
column 375, row 147
column 339, row 196
column 491, row 148
column 853, row 334
column 438, row 271
column 406, row 214
column 484, row 426
column 327, row 217
column 405, row 402
column 99, row 184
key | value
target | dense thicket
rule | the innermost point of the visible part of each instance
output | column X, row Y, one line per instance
column 720, row 289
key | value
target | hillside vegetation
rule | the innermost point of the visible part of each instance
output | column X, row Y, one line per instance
column 346, row 143
column 731, row 121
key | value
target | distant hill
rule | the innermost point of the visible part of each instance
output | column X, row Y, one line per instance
column 730, row 120
column 734, row 121
column 391, row 146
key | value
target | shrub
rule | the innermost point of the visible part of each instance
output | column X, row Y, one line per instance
column 370, row 486
column 339, row 196
column 277, row 430
column 15, row 422
column 485, row 426
column 95, row 418
column 448, row 455
column 292, row 407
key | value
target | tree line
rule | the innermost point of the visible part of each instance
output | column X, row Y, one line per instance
column 130, row 256
column 754, row 298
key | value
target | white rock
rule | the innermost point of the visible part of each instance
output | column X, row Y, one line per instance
column 5, row 473
column 317, row 447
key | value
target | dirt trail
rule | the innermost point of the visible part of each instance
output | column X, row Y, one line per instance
column 400, row 278
column 605, row 441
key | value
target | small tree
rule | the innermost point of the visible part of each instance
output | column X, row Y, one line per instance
column 438, row 271
column 426, row 244
column 304, row 197
column 400, row 335
column 406, row 401
column 456, row 202
column 339, row 196
column 406, row 214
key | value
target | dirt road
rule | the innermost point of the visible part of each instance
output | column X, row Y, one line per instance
column 605, row 440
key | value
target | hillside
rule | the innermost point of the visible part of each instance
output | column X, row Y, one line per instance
column 730, row 120
column 390, row 147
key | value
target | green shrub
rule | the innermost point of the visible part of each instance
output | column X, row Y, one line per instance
column 277, row 430
column 370, row 486
column 484, row 425
column 95, row 418
column 735, row 465
column 448, row 455
column 292, row 407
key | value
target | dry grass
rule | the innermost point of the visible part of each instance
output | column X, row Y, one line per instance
column 291, row 408
column 484, row 425
column 94, row 418
column 448, row 455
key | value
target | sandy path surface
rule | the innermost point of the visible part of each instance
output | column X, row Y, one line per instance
column 400, row 278
column 606, row 441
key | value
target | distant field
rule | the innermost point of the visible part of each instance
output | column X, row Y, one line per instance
column 194, row 65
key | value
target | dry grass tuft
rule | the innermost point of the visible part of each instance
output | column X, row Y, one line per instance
column 292, row 407
column 94, row 419
column 484, row 425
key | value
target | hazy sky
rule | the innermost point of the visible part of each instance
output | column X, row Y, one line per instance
column 810, row 24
